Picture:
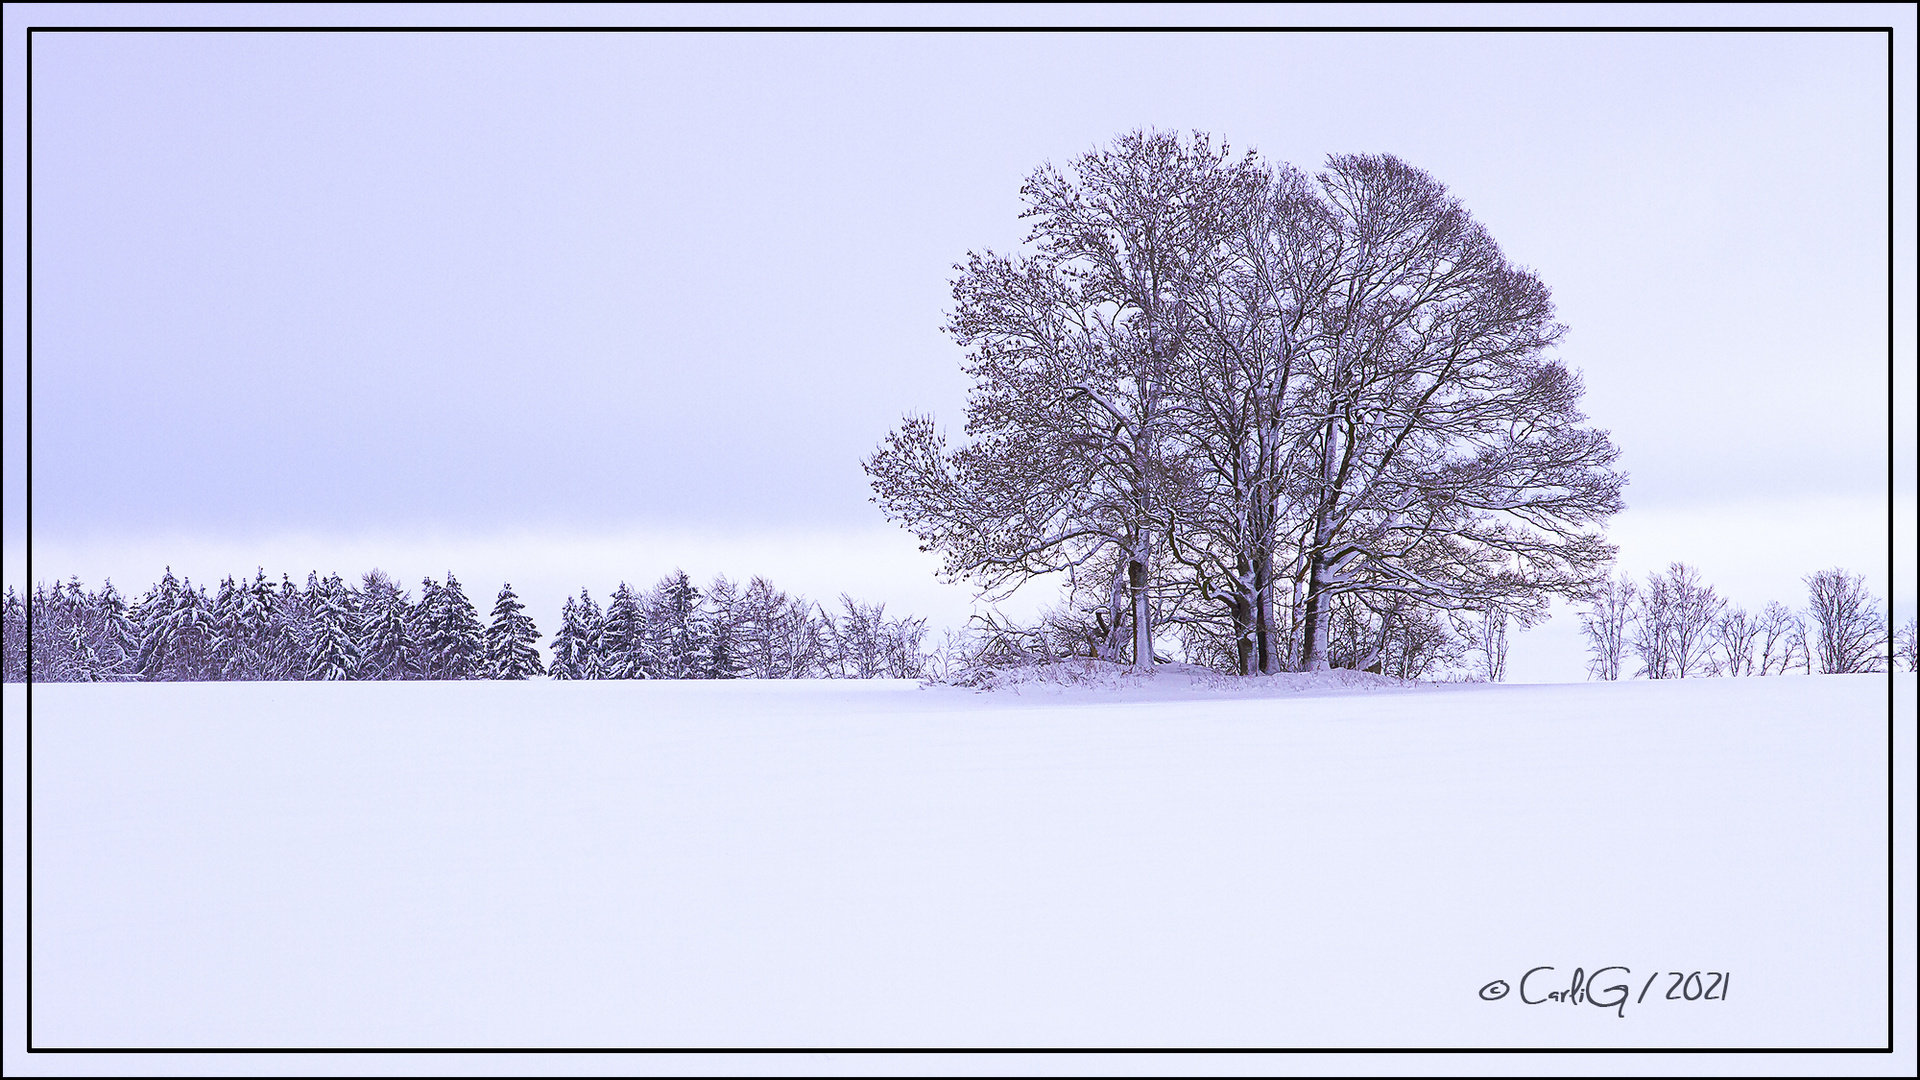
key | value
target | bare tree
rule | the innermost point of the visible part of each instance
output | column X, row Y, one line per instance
column 1906, row 646
column 1234, row 407
column 779, row 637
column 1735, row 634
column 1492, row 643
column 1606, row 625
column 1673, row 634
column 1072, row 445
column 1442, row 456
column 1782, row 639
column 1848, row 632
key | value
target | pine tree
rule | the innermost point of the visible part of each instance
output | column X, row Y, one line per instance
column 673, row 627
column 230, row 659
column 57, row 619
column 624, row 652
column 84, row 664
column 111, row 633
column 387, row 646
column 576, row 647
column 44, row 651
column 13, row 633
column 452, row 638
column 332, row 654
column 511, row 653
column 260, row 633
column 289, row 630
column 175, row 624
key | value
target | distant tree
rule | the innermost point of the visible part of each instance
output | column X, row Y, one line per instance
column 385, row 632
column 1848, row 633
column 13, row 632
column 451, row 636
column 228, row 657
column 44, row 648
column 1906, row 646
column 1735, row 634
column 1674, row 629
column 721, row 618
column 119, row 642
column 626, row 651
column 674, row 628
column 511, row 653
column 576, row 645
column 779, row 636
column 332, row 653
column 1781, row 640
column 177, row 635
column 1607, row 625
column 77, row 645
column 864, row 644
column 291, row 629
column 1492, row 643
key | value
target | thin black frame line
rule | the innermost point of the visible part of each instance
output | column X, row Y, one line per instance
column 1892, row 569
column 28, row 161
column 952, row 29
column 959, row 1050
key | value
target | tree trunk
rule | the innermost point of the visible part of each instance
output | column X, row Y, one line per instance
column 1142, row 613
column 1269, row 656
column 1116, row 606
column 1244, row 648
column 1319, row 608
column 1313, row 654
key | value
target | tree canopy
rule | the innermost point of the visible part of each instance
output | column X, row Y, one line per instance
column 1244, row 402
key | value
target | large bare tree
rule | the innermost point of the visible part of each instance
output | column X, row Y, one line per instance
column 1231, row 396
column 1442, row 454
column 1235, row 400
column 1071, row 462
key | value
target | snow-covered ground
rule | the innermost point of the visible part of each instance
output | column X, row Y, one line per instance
column 842, row 864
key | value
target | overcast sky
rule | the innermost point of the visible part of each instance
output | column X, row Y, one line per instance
column 574, row 308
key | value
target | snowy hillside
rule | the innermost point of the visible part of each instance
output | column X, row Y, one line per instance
column 878, row 864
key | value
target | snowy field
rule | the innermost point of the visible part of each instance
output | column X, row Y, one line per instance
column 842, row 864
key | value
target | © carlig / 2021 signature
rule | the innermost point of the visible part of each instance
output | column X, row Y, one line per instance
column 1539, row 986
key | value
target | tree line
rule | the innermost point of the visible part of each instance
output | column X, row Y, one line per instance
column 375, row 629
column 1278, row 420
column 1674, row 626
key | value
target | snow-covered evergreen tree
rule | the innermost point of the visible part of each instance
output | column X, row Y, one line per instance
column 230, row 659
column 576, row 646
column 624, row 644
column 83, row 663
column 511, row 653
column 332, row 653
column 175, row 624
column 119, row 638
column 674, row 628
column 259, row 650
column 43, row 652
column 13, row 638
column 287, row 634
column 387, row 646
column 451, row 635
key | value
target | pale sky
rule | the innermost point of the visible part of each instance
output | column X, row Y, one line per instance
column 573, row 308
